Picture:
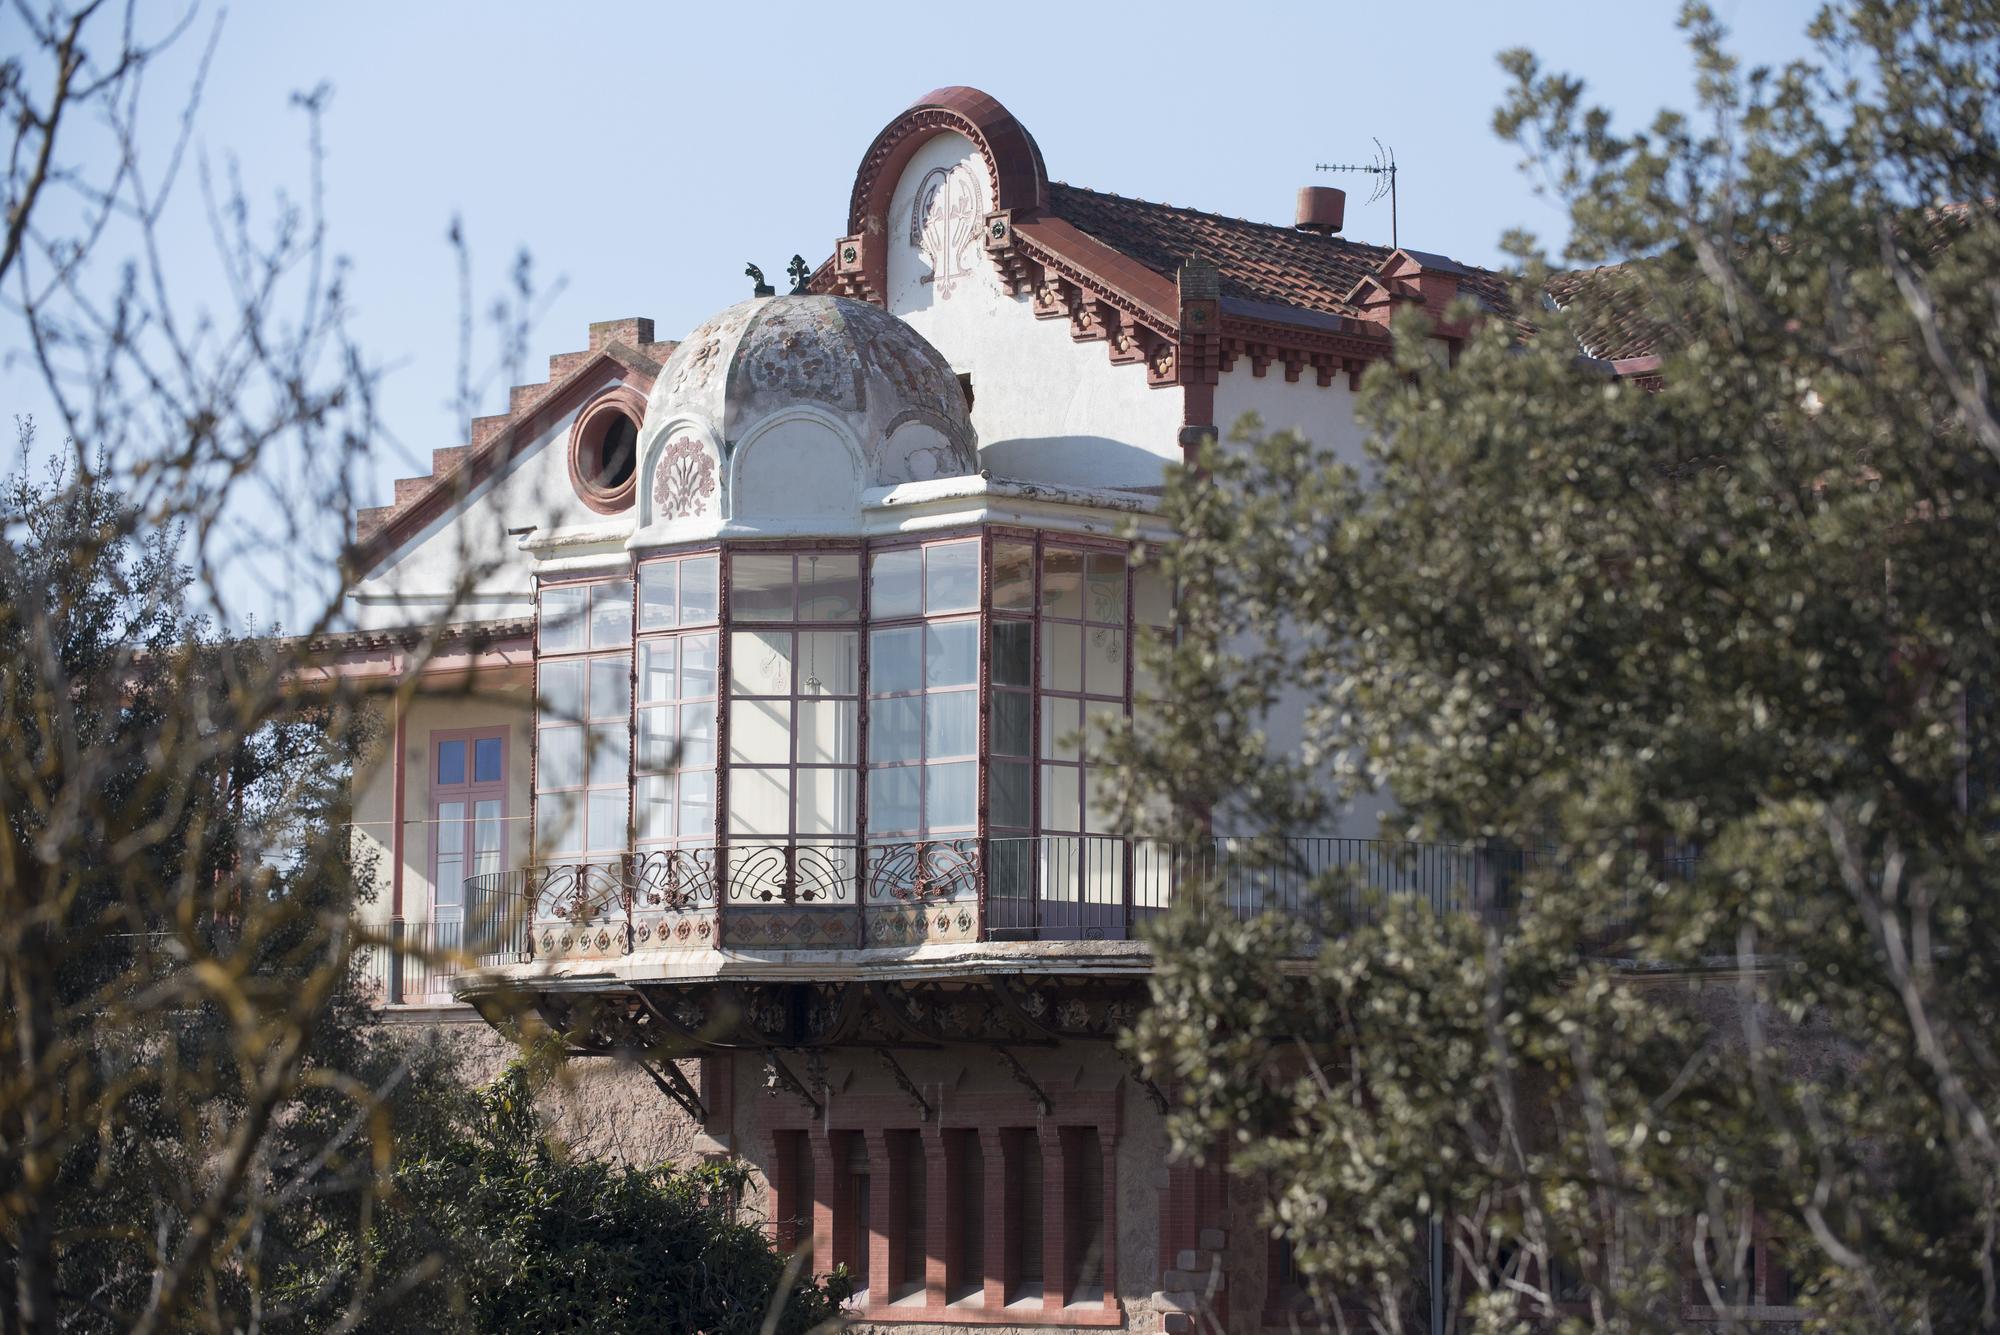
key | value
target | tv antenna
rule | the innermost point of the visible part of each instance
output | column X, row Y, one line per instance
column 1383, row 169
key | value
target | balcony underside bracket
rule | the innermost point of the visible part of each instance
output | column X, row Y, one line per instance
column 1152, row 1090
column 1020, row 1073
column 888, row 1059
column 782, row 1076
column 674, row 1085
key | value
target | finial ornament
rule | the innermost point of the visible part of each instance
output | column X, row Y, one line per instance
column 756, row 275
column 800, row 274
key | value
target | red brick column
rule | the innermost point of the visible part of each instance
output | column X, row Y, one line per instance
column 885, row 1245
column 939, row 1198
column 833, row 1206
column 1107, row 1142
column 1003, row 1215
column 786, row 1147
column 1058, row 1205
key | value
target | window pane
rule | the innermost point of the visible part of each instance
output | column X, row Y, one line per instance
column 1013, row 653
column 894, row 583
column 1099, row 790
column 895, row 729
column 698, row 735
column 562, row 619
column 760, row 732
column 830, row 586
column 486, row 758
column 760, row 586
column 610, row 687
column 829, row 662
column 611, row 614
column 486, row 835
column 699, row 599
column 1060, row 721
column 1104, row 588
column 659, row 595
column 559, row 763
column 697, row 666
column 1014, row 576
column 951, row 795
column 451, row 762
column 609, row 758
column 653, row 805
column 760, row 662
column 607, row 821
column 951, row 577
column 892, row 800
column 1062, row 584
column 449, row 892
column 1009, row 795
column 1059, row 797
column 697, row 808
column 559, row 824
column 826, row 730
column 656, row 670
column 825, row 801
column 1062, row 656
column 451, row 827
column 562, row 691
column 952, row 657
column 895, row 660
column 1011, row 712
column 760, row 802
column 951, row 724
column 657, row 739
column 1104, row 661
column 1152, row 599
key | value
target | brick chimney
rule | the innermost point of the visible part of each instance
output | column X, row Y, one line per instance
column 1322, row 209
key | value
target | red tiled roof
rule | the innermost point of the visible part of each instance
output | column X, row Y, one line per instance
column 1261, row 262
column 1614, row 319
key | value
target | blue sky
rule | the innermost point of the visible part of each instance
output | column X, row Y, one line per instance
column 641, row 154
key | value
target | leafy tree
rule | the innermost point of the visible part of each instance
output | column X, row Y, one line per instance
column 534, row 1237
column 1715, row 644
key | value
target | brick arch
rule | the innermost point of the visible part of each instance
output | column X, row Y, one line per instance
column 1013, row 164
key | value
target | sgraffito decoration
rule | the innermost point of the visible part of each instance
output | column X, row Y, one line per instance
column 683, row 480
column 944, row 225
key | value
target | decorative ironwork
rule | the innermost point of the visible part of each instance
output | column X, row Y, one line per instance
column 781, row 1077
column 929, row 869
column 579, row 892
column 1020, row 1073
column 677, row 880
column 908, row 1085
column 756, row 276
column 675, row 1086
column 801, row 274
column 790, row 874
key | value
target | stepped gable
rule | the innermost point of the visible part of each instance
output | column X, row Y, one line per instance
column 625, row 346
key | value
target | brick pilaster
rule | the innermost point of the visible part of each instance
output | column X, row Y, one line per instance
column 885, row 1250
column 1058, row 1195
column 939, row 1239
column 1003, row 1215
column 786, row 1147
column 1108, row 1143
column 833, row 1206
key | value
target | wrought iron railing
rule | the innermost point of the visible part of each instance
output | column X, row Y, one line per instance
column 418, row 962
column 1049, row 887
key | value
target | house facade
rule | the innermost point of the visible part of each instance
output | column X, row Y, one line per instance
column 751, row 669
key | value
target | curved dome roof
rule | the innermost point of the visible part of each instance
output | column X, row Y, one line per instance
column 850, row 360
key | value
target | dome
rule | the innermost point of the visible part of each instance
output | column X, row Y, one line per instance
column 799, row 399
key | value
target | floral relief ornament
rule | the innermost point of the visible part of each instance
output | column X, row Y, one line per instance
column 684, row 479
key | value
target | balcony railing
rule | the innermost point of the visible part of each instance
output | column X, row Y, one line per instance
column 420, row 960
column 827, row 896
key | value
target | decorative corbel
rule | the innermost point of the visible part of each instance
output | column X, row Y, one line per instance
column 781, row 1077
column 1295, row 363
column 850, row 269
column 1027, row 1081
column 1091, row 322
column 909, row 1086
column 1016, row 270
column 1056, row 298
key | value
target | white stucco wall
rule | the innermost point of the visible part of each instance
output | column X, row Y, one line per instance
column 1323, row 416
column 415, row 586
column 1046, row 408
column 374, row 812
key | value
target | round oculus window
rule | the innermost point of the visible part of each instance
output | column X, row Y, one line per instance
column 604, row 451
